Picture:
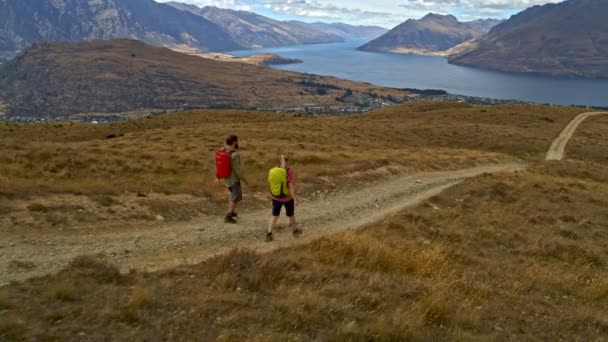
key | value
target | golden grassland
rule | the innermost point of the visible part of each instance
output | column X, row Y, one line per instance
column 512, row 256
column 501, row 257
column 589, row 143
column 60, row 175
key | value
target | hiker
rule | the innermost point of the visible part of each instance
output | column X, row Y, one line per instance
column 281, row 181
column 228, row 168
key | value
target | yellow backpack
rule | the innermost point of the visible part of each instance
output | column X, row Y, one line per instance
column 277, row 182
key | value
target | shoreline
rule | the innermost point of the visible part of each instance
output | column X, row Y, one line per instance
column 432, row 95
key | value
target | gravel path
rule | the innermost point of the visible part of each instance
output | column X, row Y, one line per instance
column 164, row 245
column 558, row 147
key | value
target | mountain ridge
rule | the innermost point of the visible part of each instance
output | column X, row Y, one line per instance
column 433, row 33
column 26, row 22
column 252, row 30
column 564, row 39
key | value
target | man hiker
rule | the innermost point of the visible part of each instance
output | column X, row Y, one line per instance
column 281, row 181
column 228, row 168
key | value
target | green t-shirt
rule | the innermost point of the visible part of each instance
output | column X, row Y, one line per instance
column 235, row 175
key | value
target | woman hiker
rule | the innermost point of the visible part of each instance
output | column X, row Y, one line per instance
column 281, row 181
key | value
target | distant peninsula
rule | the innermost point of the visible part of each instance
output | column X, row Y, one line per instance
column 264, row 59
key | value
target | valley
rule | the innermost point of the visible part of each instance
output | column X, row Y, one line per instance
column 451, row 176
column 432, row 72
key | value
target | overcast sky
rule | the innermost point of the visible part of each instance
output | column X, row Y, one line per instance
column 387, row 13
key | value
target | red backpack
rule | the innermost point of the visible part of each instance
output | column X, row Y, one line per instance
column 223, row 164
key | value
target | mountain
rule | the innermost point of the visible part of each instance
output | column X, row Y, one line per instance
column 483, row 25
column 24, row 22
column 565, row 39
column 251, row 30
column 65, row 78
column 432, row 33
column 344, row 30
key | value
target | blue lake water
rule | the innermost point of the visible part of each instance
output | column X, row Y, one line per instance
column 429, row 72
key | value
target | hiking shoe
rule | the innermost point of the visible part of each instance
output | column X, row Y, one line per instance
column 297, row 232
column 234, row 215
column 269, row 237
column 229, row 219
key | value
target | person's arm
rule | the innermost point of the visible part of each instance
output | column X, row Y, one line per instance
column 292, row 185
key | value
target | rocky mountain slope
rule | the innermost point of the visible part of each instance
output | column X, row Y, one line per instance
column 565, row 39
column 432, row 33
column 251, row 30
column 345, row 31
column 62, row 79
column 26, row 22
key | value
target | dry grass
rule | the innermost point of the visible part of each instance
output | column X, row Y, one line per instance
column 508, row 256
column 589, row 142
column 76, row 174
column 62, row 290
column 517, row 256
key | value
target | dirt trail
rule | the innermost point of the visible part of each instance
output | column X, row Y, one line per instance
column 159, row 246
column 556, row 151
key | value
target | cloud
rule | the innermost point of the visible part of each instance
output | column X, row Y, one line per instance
column 506, row 4
column 231, row 4
column 325, row 10
column 472, row 9
column 317, row 9
column 431, row 5
column 386, row 13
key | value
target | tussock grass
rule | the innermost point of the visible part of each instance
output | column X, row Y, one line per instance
column 5, row 300
column 506, row 256
column 172, row 155
column 474, row 263
column 354, row 250
column 62, row 290
column 588, row 143
column 95, row 267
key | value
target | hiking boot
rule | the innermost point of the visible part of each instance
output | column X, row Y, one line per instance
column 234, row 215
column 297, row 232
column 229, row 219
column 269, row 237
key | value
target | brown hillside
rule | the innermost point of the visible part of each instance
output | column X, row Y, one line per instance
column 565, row 39
column 432, row 33
column 101, row 168
column 59, row 79
column 508, row 256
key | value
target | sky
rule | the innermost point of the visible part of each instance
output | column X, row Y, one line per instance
column 386, row 13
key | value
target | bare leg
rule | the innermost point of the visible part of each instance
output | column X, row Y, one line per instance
column 231, row 206
column 294, row 227
column 292, row 222
column 273, row 223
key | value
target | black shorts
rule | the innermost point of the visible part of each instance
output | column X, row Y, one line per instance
column 290, row 208
column 236, row 192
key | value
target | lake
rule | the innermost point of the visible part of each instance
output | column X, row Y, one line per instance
column 430, row 72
